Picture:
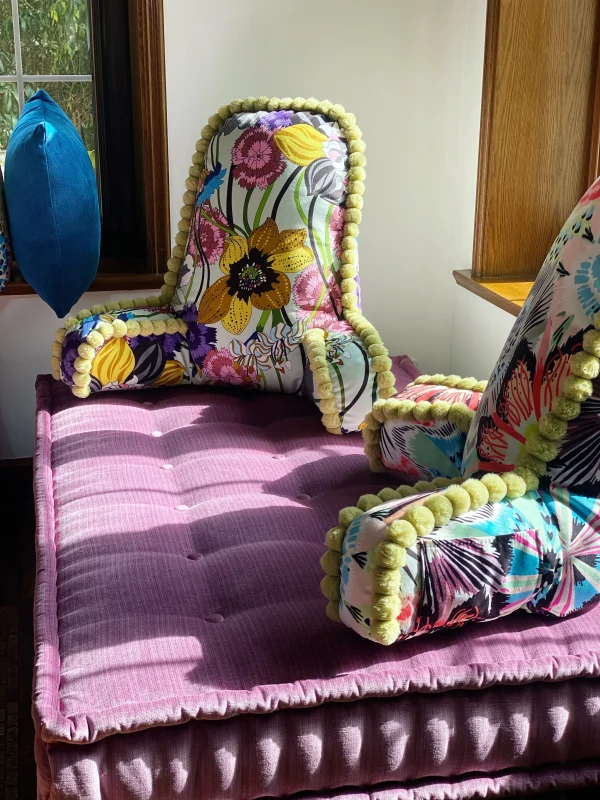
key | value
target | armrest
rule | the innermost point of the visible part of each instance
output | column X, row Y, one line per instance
column 469, row 553
column 421, row 433
column 122, row 345
column 350, row 370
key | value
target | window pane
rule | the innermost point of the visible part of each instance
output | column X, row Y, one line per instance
column 7, row 44
column 9, row 113
column 76, row 100
column 55, row 37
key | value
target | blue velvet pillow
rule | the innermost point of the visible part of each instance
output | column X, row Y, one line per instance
column 52, row 203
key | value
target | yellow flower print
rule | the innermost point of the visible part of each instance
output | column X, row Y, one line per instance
column 114, row 363
column 254, row 275
column 301, row 144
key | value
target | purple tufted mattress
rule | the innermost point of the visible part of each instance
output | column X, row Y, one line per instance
column 182, row 650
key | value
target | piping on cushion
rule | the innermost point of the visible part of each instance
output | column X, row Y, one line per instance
column 455, row 498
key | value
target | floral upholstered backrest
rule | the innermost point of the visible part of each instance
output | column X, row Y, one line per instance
column 542, row 368
column 262, row 262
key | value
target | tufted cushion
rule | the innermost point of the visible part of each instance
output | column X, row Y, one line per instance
column 179, row 536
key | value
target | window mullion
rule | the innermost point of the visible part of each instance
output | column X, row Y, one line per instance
column 18, row 58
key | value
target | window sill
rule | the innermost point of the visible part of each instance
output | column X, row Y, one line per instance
column 123, row 282
column 507, row 295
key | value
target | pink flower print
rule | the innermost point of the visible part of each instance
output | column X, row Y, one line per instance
column 219, row 367
column 257, row 162
column 336, row 229
column 212, row 238
column 307, row 293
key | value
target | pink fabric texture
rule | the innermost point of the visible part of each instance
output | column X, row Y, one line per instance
column 178, row 543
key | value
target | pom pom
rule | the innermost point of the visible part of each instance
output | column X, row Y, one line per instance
column 81, row 391
column 119, row 328
column 424, row 486
column 330, row 562
column 541, row 448
column 112, row 305
column 591, row 343
column 406, row 491
column 515, row 485
column 579, row 389
column 70, row 322
column 385, row 581
column 336, row 111
column 552, row 427
column 95, row 339
column 354, row 201
column 422, row 519
column 81, row 379
column 84, row 314
column 466, row 383
column 159, row 327
column 536, row 465
column 324, row 106
column 460, row 499
column 330, row 588
column 386, row 606
column 333, row 611
column 404, row 409
column 86, row 351
column 441, row 483
column 389, row 555
column 106, row 330
column 532, row 482
column 98, row 309
column 348, row 514
column 356, row 146
column 145, row 327
column 440, row 409
column 495, row 485
column 335, row 537
column 356, row 174
column 56, row 349
column 566, row 409
column 461, row 416
column 381, row 363
column 348, row 285
column 585, row 365
column 368, row 501
column 387, row 494
column 422, row 411
column 353, row 215
column 440, row 507
column 133, row 327
column 402, row 532
column 385, row 632
column 477, row 491
column 480, row 386
column 357, row 160
column 348, row 271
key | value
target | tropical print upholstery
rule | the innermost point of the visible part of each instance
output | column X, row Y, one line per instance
column 522, row 530
column 539, row 553
column 535, row 361
column 5, row 251
column 421, row 449
column 266, row 254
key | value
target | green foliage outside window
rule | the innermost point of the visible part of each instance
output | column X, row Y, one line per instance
column 54, row 41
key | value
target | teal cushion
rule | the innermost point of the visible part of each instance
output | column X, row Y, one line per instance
column 52, row 203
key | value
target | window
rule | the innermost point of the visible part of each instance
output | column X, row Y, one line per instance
column 93, row 58
column 540, row 131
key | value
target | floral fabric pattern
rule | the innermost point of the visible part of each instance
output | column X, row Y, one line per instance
column 262, row 262
column 539, row 553
column 534, row 362
column 5, row 251
column 137, row 362
column 430, row 449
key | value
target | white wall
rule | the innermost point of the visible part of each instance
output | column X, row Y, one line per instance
column 411, row 72
column 479, row 331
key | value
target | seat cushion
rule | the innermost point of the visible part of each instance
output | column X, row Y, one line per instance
column 178, row 544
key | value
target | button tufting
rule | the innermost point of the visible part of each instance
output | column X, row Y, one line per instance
column 302, row 497
column 214, row 618
column 167, row 466
column 195, row 556
column 156, row 433
column 279, row 456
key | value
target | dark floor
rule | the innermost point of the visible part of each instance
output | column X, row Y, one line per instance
column 17, row 574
